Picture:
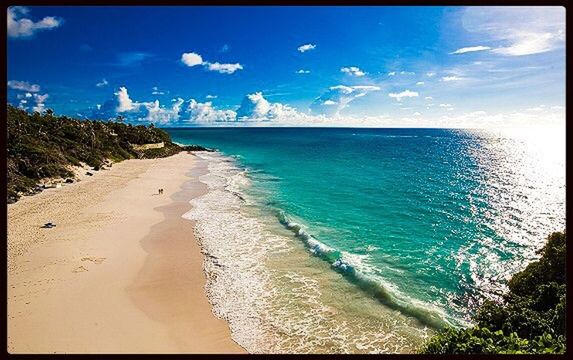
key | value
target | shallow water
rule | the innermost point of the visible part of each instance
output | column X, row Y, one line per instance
column 368, row 240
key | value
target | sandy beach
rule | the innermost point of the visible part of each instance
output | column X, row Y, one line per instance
column 120, row 273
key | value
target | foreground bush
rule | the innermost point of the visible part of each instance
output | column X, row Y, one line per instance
column 529, row 320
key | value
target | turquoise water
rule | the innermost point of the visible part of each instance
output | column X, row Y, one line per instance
column 424, row 222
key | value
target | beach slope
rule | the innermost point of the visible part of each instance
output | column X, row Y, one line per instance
column 120, row 273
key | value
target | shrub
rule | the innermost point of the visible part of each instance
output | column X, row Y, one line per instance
column 530, row 319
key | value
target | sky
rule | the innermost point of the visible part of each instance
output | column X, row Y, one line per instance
column 384, row 66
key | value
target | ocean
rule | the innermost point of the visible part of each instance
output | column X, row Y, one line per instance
column 329, row 240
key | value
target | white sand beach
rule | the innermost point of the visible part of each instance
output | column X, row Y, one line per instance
column 120, row 273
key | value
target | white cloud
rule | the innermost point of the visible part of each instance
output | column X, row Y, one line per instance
column 24, row 96
column 211, row 96
column 23, row 86
column 430, row 74
column 254, row 106
column 19, row 26
column 519, row 30
column 191, row 59
column 156, row 91
column 452, row 78
column 420, row 83
column 529, row 43
column 405, row 93
column 158, row 114
column 224, row 68
column 302, row 71
column 339, row 97
column 470, row 49
column 205, row 113
column 102, row 83
column 429, row 98
column 124, row 102
column 394, row 73
column 353, row 70
column 258, row 111
column 306, row 47
column 40, row 100
column 537, row 108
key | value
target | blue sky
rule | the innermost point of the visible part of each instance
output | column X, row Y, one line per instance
column 284, row 66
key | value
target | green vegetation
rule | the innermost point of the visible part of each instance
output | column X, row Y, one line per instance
column 45, row 146
column 529, row 320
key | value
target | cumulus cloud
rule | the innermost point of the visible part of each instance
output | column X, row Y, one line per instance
column 26, row 98
column 302, row 71
column 420, row 83
column 254, row 106
column 338, row 97
column 352, row 70
column 211, row 96
column 152, row 111
column 430, row 74
column 22, row 27
column 102, row 83
column 23, row 86
column 161, row 115
column 403, row 94
column 306, row 47
column 518, row 30
column 204, row 113
column 470, row 49
column 124, row 102
column 255, row 110
column 193, row 59
column 40, row 100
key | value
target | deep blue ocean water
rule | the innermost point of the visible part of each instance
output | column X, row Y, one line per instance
column 430, row 222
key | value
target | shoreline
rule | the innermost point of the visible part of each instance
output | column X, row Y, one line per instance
column 122, row 271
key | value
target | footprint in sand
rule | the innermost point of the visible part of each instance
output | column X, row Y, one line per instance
column 79, row 269
column 94, row 259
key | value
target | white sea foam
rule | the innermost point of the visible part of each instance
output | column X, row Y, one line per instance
column 277, row 310
column 235, row 246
